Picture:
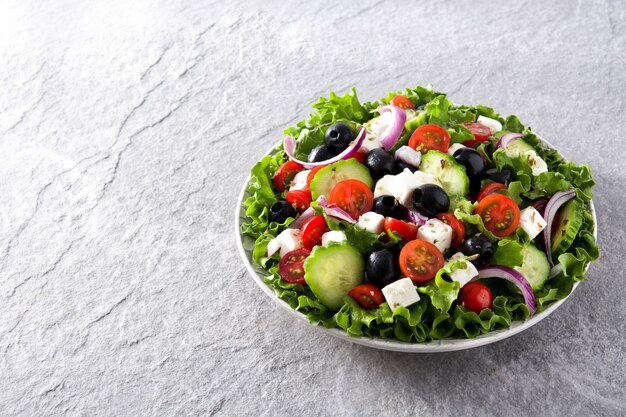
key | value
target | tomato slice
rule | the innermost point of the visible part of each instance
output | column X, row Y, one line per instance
column 312, row 231
column 427, row 137
column 291, row 266
column 360, row 156
column 420, row 260
column 475, row 297
column 408, row 231
column 479, row 130
column 500, row 214
column 470, row 143
column 492, row 188
column 300, row 199
column 403, row 102
column 352, row 196
column 367, row 295
column 458, row 228
column 285, row 173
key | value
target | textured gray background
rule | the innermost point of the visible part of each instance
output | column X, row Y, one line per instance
column 126, row 132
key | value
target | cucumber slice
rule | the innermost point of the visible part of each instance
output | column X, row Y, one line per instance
column 571, row 219
column 327, row 177
column 331, row 271
column 447, row 170
column 518, row 146
column 535, row 266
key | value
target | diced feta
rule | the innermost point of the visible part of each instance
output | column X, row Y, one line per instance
column 436, row 232
column 492, row 124
column 299, row 181
column 531, row 221
column 383, row 186
column 455, row 147
column 401, row 293
column 286, row 241
column 464, row 272
column 333, row 236
column 379, row 125
column 537, row 164
column 401, row 186
column 372, row 222
column 370, row 143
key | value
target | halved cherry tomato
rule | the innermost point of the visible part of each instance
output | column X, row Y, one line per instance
column 285, row 173
column 352, row 196
column 475, row 297
column 479, row 130
column 367, row 295
column 402, row 102
column 429, row 137
column 458, row 228
column 291, row 266
column 420, row 260
column 311, row 175
column 300, row 199
column 360, row 156
column 312, row 231
column 500, row 214
column 408, row 231
column 492, row 188
column 470, row 143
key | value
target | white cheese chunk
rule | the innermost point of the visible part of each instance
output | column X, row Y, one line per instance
column 333, row 236
column 537, row 164
column 436, row 232
column 401, row 293
column 401, row 186
column 286, row 241
column 464, row 272
column 383, row 186
column 370, row 143
column 372, row 222
column 378, row 126
column 455, row 147
column 531, row 221
column 299, row 181
column 492, row 124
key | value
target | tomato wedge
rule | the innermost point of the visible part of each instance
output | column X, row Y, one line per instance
column 285, row 173
column 427, row 137
column 479, row 130
column 492, row 188
column 407, row 231
column 420, row 260
column 300, row 199
column 311, row 175
column 402, row 101
column 475, row 297
column 458, row 228
column 291, row 266
column 367, row 295
column 352, row 196
column 312, row 231
column 500, row 214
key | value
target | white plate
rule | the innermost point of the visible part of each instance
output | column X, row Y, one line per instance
column 246, row 244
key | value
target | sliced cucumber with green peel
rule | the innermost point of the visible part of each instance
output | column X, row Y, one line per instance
column 331, row 271
column 326, row 178
column 535, row 266
column 518, row 146
column 447, row 171
column 571, row 219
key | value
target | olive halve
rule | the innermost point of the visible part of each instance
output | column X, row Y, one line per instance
column 338, row 136
column 281, row 211
column 321, row 153
column 503, row 177
column 430, row 200
column 382, row 268
column 387, row 205
column 478, row 245
column 379, row 162
column 472, row 161
column 400, row 166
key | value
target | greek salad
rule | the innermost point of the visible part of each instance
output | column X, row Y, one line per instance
column 417, row 219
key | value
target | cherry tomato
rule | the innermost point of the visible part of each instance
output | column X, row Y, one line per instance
column 458, row 228
column 407, row 231
column 429, row 137
column 312, row 231
column 352, row 196
column 475, row 297
column 360, row 156
column 291, row 266
column 367, row 295
column 300, row 199
column 479, row 130
column 402, row 102
column 420, row 260
column 285, row 173
column 470, row 143
column 500, row 214
column 492, row 188
column 311, row 175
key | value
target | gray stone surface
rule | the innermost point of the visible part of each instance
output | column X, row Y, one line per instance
column 126, row 132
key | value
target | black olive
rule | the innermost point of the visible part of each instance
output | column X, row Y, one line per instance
column 281, row 211
column 321, row 153
column 381, row 268
column 474, row 186
column 472, row 161
column 503, row 177
column 380, row 163
column 478, row 245
column 339, row 136
column 430, row 199
column 387, row 205
column 401, row 166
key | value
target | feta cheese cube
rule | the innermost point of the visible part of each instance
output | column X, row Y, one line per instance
column 383, row 186
column 372, row 222
column 370, row 143
column 333, row 236
column 378, row 126
column 492, row 124
column 455, row 147
column 401, row 186
column 401, row 293
column 464, row 272
column 299, row 181
column 531, row 221
column 286, row 241
column 436, row 232
column 537, row 164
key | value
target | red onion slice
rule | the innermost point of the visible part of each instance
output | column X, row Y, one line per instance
column 553, row 206
column 333, row 211
column 414, row 217
column 508, row 138
column 273, row 246
column 409, row 155
column 289, row 143
column 306, row 215
column 513, row 276
column 393, row 132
